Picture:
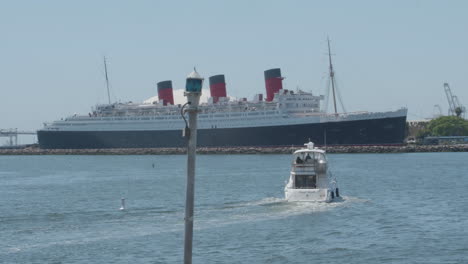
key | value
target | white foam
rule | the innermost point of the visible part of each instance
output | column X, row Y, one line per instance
column 272, row 208
column 264, row 201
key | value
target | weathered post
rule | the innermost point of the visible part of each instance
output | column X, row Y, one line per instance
column 193, row 89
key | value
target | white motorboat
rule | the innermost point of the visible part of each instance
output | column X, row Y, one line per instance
column 310, row 179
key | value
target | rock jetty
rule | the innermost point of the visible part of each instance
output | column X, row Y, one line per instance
column 34, row 150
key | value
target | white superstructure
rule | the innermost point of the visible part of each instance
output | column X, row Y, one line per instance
column 287, row 108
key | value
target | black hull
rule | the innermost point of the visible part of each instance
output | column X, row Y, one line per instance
column 361, row 132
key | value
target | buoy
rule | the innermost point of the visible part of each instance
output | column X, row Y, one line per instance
column 337, row 193
column 122, row 204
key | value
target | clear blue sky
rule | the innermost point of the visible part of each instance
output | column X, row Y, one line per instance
column 388, row 54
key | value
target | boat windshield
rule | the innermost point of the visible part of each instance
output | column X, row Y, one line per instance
column 308, row 157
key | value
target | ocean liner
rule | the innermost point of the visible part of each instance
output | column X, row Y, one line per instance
column 283, row 118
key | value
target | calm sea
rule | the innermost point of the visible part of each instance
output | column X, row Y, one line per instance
column 396, row 208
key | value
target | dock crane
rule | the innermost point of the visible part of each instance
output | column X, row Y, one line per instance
column 455, row 108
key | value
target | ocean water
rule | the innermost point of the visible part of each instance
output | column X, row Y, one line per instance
column 396, row 208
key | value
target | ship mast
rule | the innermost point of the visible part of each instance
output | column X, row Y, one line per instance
column 332, row 76
column 107, row 80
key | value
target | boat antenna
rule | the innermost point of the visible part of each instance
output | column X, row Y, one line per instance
column 332, row 75
column 107, row 80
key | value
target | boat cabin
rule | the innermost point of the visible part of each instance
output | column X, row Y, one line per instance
column 308, row 166
column 310, row 179
column 302, row 157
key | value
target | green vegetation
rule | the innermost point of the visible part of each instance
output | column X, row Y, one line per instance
column 445, row 126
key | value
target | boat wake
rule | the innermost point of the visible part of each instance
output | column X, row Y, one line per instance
column 269, row 201
column 265, row 209
column 269, row 208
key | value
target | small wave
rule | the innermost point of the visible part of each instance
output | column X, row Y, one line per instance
column 338, row 249
column 87, row 237
column 263, row 202
column 297, row 208
column 350, row 199
column 13, row 250
column 151, row 210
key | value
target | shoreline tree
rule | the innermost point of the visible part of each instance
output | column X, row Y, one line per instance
column 445, row 126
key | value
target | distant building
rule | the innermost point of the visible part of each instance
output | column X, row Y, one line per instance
column 413, row 127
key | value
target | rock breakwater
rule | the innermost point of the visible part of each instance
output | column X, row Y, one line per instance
column 235, row 150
